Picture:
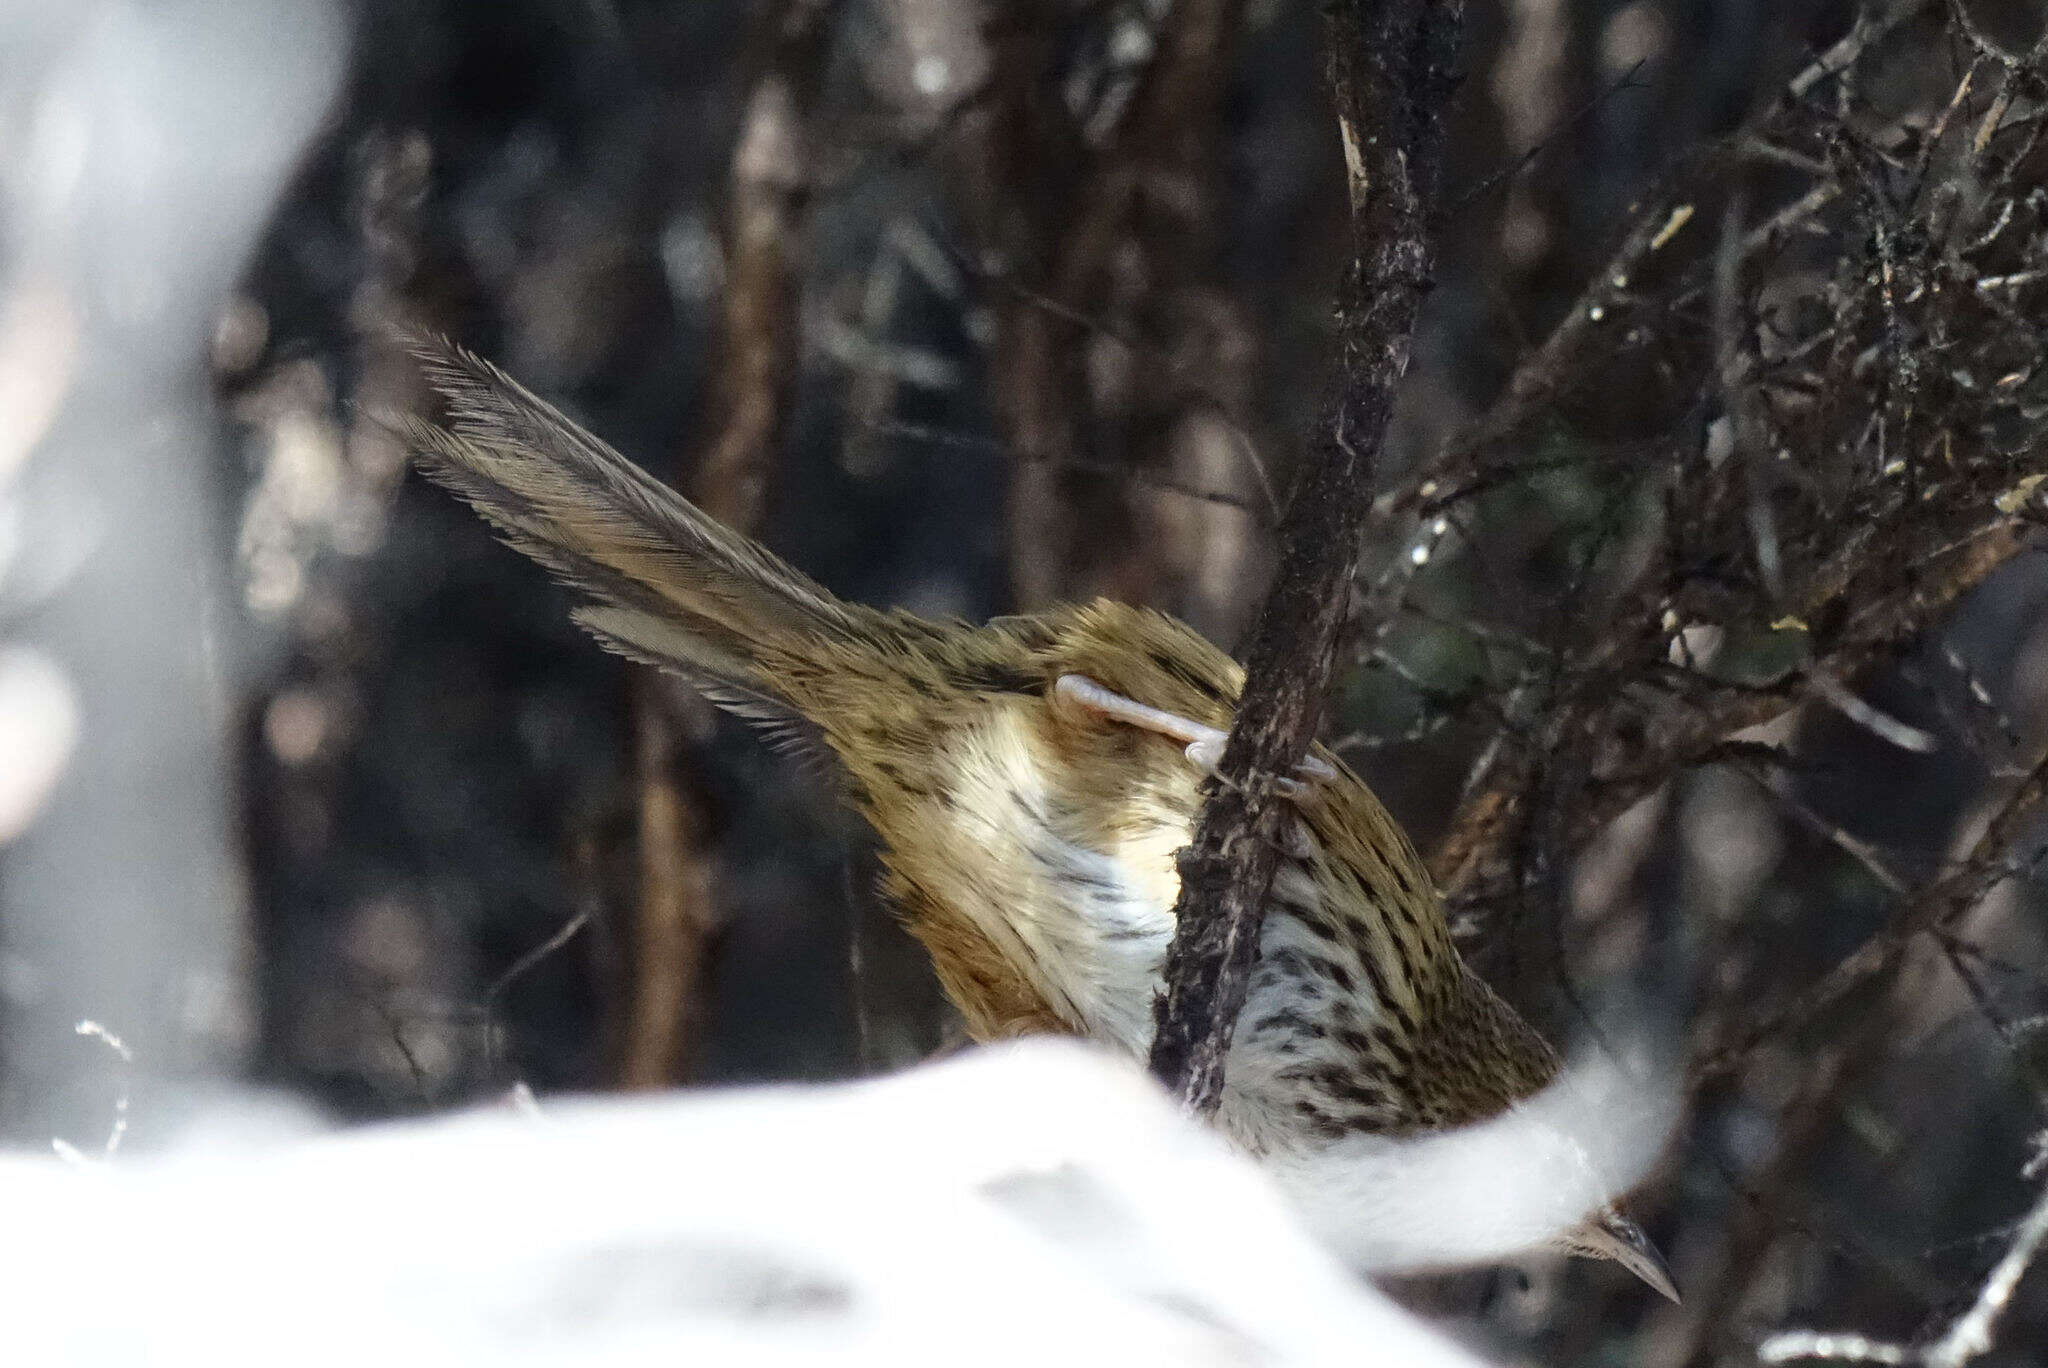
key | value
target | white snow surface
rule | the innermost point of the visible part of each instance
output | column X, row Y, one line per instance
column 1036, row 1203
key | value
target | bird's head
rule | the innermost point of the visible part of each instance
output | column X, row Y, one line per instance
column 1607, row 1234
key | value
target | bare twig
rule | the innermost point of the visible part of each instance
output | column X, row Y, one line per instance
column 1936, row 904
column 1856, row 848
column 769, row 189
column 1391, row 77
column 1542, row 146
column 1101, row 224
column 521, row 966
column 1968, row 1337
column 1262, row 511
column 1868, row 28
column 485, row 1011
column 394, row 1031
column 1799, row 1127
column 1619, row 311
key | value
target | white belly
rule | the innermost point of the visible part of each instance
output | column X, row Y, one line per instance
column 1088, row 921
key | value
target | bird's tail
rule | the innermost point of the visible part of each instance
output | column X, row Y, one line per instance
column 668, row 585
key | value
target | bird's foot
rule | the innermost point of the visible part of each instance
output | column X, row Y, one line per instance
column 1201, row 744
column 1206, row 754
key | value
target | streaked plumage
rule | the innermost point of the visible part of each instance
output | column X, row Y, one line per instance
column 1029, row 845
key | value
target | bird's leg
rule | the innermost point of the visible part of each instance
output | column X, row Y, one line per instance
column 1202, row 745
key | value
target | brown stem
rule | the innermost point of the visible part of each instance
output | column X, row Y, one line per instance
column 748, row 397
column 753, row 359
column 1146, row 198
column 1391, row 79
column 662, row 1014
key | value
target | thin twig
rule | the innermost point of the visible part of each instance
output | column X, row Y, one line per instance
column 486, row 1010
column 1936, row 904
column 1968, row 1337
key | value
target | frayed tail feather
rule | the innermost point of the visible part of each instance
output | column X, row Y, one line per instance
column 1522, row 1181
column 668, row 585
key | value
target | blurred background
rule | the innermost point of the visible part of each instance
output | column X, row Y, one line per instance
column 1701, row 635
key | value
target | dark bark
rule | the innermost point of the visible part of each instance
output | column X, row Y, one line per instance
column 1391, row 79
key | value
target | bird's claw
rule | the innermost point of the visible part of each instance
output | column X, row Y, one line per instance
column 1206, row 753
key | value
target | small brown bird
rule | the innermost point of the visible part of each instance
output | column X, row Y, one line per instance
column 1031, row 781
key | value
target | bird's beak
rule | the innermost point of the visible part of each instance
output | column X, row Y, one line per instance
column 1614, row 1236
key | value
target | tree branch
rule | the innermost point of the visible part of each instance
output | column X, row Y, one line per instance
column 1935, row 906
column 1391, row 80
column 747, row 403
column 1967, row 1338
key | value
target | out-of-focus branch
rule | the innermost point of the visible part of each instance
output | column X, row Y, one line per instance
column 1935, row 906
column 1391, row 79
column 1967, row 1338
column 1172, row 111
column 1119, row 350
column 754, row 354
column 1799, row 1127
column 1689, row 728
column 747, row 402
column 121, row 898
column 661, row 1012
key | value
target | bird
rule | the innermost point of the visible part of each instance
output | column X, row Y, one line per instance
column 1031, row 781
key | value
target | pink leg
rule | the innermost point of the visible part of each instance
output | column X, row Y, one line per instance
column 1203, row 745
